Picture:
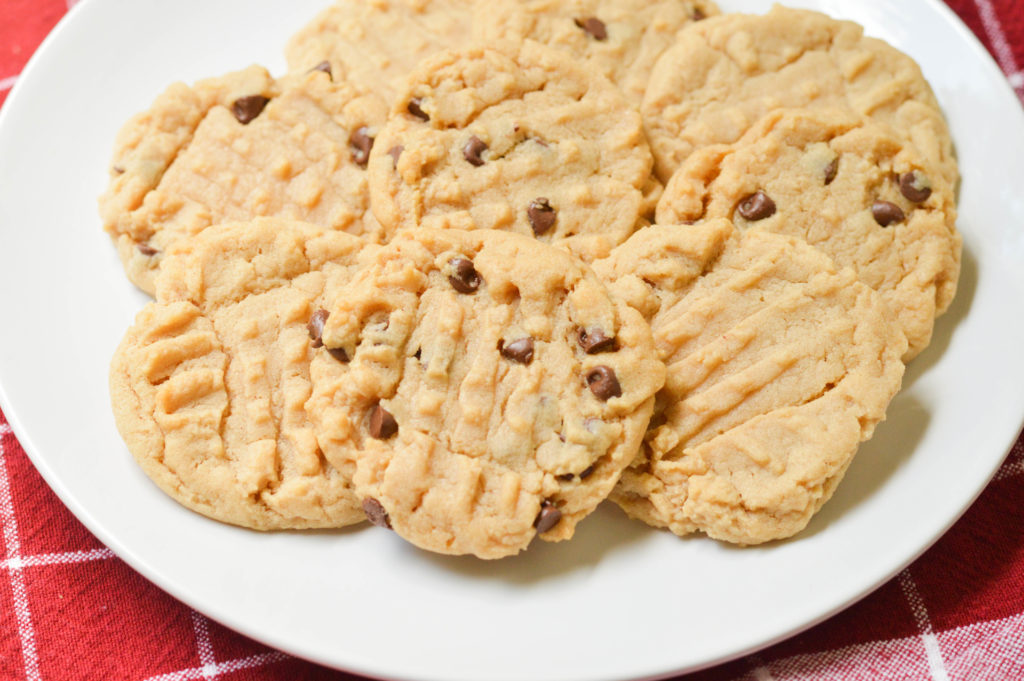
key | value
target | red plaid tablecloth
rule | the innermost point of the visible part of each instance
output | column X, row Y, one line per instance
column 71, row 611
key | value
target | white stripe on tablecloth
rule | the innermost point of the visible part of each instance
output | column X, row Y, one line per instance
column 924, row 624
column 897, row 658
column 986, row 650
column 1002, row 49
column 200, row 673
column 67, row 558
column 207, row 661
column 968, row 649
column 26, row 634
column 1010, row 469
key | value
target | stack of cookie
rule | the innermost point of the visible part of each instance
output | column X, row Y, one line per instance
column 472, row 268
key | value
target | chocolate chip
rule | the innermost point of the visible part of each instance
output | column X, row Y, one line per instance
column 698, row 14
column 472, row 150
column 324, row 66
column 339, row 354
column 415, row 110
column 396, row 153
column 146, row 250
column 383, row 425
column 375, row 513
column 587, row 472
column 757, row 206
column 914, row 186
column 246, row 109
column 316, row 328
column 831, row 170
column 594, row 26
column 886, row 213
column 464, row 277
column 603, row 383
column 594, row 340
column 547, row 518
column 118, row 169
column 518, row 350
column 361, row 142
column 541, row 215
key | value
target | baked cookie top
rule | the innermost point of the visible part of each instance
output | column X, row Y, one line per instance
column 855, row 190
column 209, row 385
column 494, row 390
column 519, row 139
column 376, row 43
column 620, row 39
column 234, row 148
column 724, row 73
column 779, row 365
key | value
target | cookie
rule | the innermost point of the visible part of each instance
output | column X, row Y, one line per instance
column 620, row 39
column 376, row 43
column 494, row 391
column 520, row 139
column 779, row 365
column 855, row 190
column 726, row 72
column 234, row 148
column 209, row 385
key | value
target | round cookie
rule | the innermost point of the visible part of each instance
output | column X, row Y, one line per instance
column 209, row 385
column 376, row 43
column 495, row 391
column 621, row 39
column 725, row 73
column 519, row 139
column 853, row 189
column 235, row 148
column 778, row 367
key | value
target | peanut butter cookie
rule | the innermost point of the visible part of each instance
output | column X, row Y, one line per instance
column 621, row 39
column 519, row 139
column 234, row 148
column 779, row 365
column 853, row 189
column 494, row 390
column 209, row 386
column 376, row 43
column 725, row 73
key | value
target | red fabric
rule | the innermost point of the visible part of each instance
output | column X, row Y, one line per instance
column 71, row 611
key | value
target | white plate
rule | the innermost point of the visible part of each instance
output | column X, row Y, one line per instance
column 620, row 601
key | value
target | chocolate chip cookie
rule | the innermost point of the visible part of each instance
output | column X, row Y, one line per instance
column 494, row 390
column 209, row 386
column 728, row 71
column 621, row 39
column 779, row 365
column 520, row 139
column 234, row 148
column 856, row 190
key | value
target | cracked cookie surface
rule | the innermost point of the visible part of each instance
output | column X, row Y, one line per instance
column 621, row 39
column 851, row 188
column 519, row 139
column 494, row 390
column 779, row 365
column 237, row 147
column 728, row 71
column 209, row 385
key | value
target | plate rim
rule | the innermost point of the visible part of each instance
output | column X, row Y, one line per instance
column 156, row 576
